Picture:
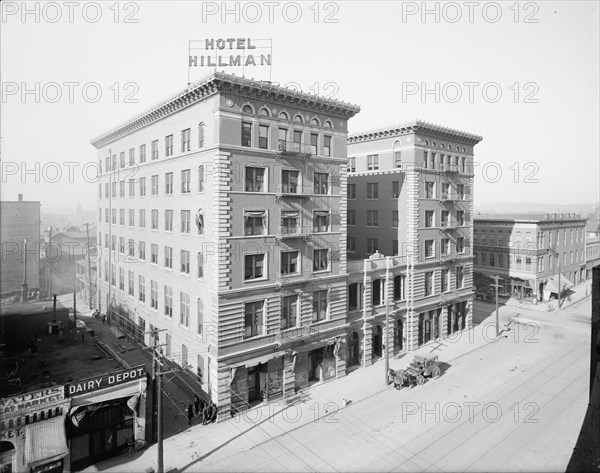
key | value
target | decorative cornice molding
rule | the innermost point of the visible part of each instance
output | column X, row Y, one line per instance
column 219, row 82
column 415, row 126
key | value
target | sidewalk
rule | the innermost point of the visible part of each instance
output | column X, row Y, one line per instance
column 268, row 421
column 575, row 294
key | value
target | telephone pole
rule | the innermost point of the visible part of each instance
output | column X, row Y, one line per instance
column 87, row 227
column 497, row 286
column 387, row 319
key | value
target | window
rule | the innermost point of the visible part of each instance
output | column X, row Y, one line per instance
column 154, row 150
column 154, row 294
column 352, row 164
column 320, row 221
column 395, row 189
column 372, row 245
column 142, row 186
column 289, row 311
column 460, row 191
column 142, row 153
column 131, row 186
column 185, row 221
column 395, row 251
column 168, row 220
column 186, row 136
column 460, row 245
column 445, row 246
column 246, row 134
column 200, row 314
column 141, row 288
column 372, row 190
column 122, row 159
column 169, row 183
column 154, row 219
column 168, row 257
column 460, row 218
column 122, row 279
column 201, row 135
column 372, row 162
column 130, row 283
column 428, row 283
column 186, row 181
column 200, row 178
column 168, row 301
column 354, row 296
column 289, row 262
column 314, row 143
column 320, row 183
column 492, row 257
column 351, row 217
column 327, row 145
column 168, row 145
column 528, row 263
column 200, row 222
column 289, row 181
column 400, row 287
column 255, row 178
column 429, row 214
column 253, row 266
column 445, row 191
column 121, row 188
column 263, row 136
column 297, row 145
column 352, row 191
column 289, row 222
column 282, row 139
column 351, row 244
column 253, row 319
column 114, row 216
column 121, row 216
column 154, row 189
column 114, row 189
column 254, row 223
column 142, row 251
column 153, row 253
column 121, row 245
column 429, row 248
column 131, row 247
column 200, row 265
column 184, row 259
column 372, row 218
column 320, row 260
column 113, row 275
column 320, row 305
column 459, row 277
column 184, row 310
column 430, row 190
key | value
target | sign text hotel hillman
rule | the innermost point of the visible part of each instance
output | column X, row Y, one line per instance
column 236, row 60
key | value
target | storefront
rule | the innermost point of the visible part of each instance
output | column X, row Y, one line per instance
column 32, row 432
column 256, row 380
column 107, row 413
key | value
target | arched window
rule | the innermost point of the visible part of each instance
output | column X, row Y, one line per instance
column 426, row 142
column 315, row 122
column 328, row 124
column 434, row 145
column 444, row 146
column 264, row 112
column 201, row 135
column 397, row 154
column 247, row 109
column 492, row 239
column 283, row 116
column 298, row 119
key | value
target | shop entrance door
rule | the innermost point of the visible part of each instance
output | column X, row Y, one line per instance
column 254, row 392
column 353, row 349
column 315, row 364
column 377, row 341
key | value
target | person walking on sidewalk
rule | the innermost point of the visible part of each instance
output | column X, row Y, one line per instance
column 197, row 404
column 190, row 413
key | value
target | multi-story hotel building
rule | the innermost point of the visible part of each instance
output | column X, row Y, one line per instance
column 528, row 251
column 224, row 207
column 410, row 201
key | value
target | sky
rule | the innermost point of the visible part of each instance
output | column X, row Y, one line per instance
column 523, row 75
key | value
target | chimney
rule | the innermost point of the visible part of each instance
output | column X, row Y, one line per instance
column 20, row 197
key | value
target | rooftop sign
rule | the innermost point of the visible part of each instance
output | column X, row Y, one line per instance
column 104, row 381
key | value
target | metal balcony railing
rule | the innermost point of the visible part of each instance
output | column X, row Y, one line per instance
column 294, row 148
column 446, row 226
column 294, row 191
column 285, row 232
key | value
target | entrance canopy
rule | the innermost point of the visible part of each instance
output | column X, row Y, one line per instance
column 45, row 441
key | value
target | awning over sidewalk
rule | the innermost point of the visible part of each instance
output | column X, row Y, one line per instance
column 45, row 441
column 552, row 285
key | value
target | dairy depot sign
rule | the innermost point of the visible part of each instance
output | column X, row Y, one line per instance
column 105, row 381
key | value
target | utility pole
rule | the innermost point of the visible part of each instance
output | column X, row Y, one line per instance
column 87, row 227
column 497, row 286
column 75, row 301
column 49, row 271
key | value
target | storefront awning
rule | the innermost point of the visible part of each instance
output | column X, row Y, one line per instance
column 552, row 285
column 258, row 360
column 45, row 441
column 122, row 390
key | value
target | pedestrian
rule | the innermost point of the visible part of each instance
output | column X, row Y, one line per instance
column 213, row 413
column 197, row 404
column 190, row 413
column 205, row 414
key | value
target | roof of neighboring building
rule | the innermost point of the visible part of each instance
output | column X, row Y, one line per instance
column 27, row 308
column 529, row 217
column 228, row 83
column 415, row 126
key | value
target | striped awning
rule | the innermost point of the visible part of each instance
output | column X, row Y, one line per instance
column 45, row 441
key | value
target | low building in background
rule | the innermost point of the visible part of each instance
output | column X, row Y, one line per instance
column 592, row 253
column 64, row 403
column 19, row 222
column 528, row 252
